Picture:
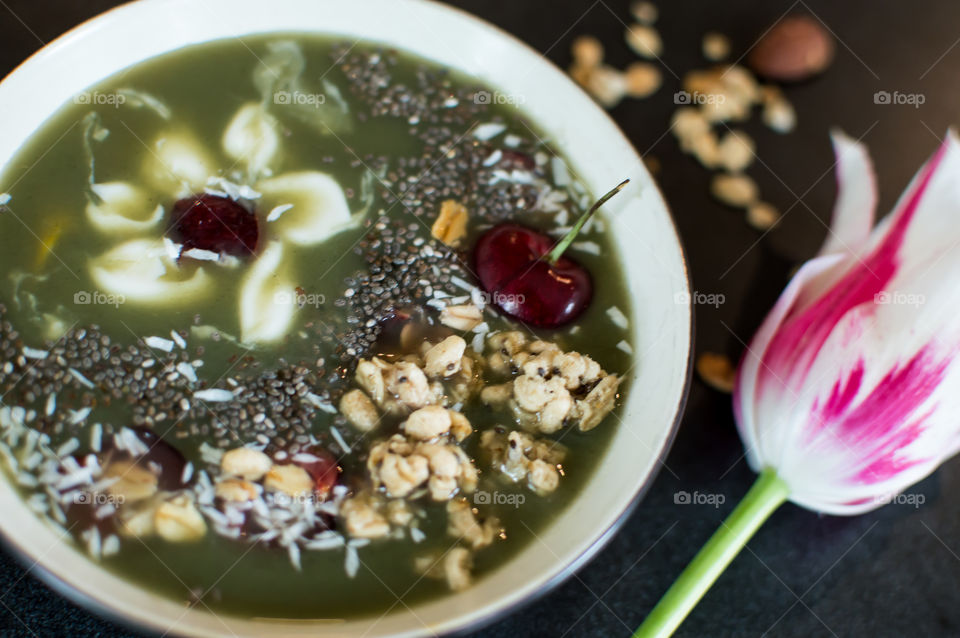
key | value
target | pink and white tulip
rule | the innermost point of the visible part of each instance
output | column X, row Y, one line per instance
column 850, row 390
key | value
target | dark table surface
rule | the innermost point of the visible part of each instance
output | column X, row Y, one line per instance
column 889, row 573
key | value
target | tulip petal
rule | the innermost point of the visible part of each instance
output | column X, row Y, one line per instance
column 267, row 303
column 141, row 272
column 178, row 164
column 251, row 138
column 120, row 208
column 319, row 208
column 848, row 390
column 753, row 368
column 853, row 214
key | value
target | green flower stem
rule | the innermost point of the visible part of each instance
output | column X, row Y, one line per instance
column 766, row 495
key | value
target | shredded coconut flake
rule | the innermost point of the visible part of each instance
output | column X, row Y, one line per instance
column 79, row 377
column 202, row 255
column 489, row 130
column 159, row 343
column 352, row 563
column 617, row 317
column 215, row 395
column 590, row 247
column 335, row 433
column 188, row 372
column 274, row 214
column 79, row 416
column 34, row 353
column 177, row 339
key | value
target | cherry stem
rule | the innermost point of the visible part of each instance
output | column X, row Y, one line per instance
column 562, row 245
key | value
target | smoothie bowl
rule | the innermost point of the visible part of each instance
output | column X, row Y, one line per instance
column 283, row 346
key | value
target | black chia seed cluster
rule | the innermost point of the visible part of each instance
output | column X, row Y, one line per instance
column 494, row 182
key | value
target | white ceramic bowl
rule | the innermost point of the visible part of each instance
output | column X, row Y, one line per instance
column 648, row 243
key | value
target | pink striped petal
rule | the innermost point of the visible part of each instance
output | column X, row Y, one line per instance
column 849, row 389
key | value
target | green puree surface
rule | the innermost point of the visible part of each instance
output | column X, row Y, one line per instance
column 203, row 87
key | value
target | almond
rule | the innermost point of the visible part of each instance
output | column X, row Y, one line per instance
column 451, row 224
column 795, row 49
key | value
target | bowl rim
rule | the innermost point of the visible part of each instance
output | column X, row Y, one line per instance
column 35, row 566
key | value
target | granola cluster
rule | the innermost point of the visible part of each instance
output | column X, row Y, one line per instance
column 549, row 388
column 537, row 387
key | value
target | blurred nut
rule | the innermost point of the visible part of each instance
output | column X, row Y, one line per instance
column 607, row 85
column 464, row 317
column 246, row 463
column 133, row 482
column 688, row 122
column 137, row 521
column 716, row 371
column 642, row 79
column 644, row 40
column 794, row 49
column 587, row 51
column 736, row 151
column 735, row 190
column 451, row 224
column 762, row 215
column 456, row 566
column 427, row 423
column 778, row 113
column 179, row 521
column 443, row 359
column 644, row 12
column 236, row 490
column 359, row 410
column 716, row 46
column 291, row 480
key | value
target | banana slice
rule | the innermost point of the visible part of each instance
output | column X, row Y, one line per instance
column 178, row 164
column 267, row 301
column 123, row 209
column 251, row 138
column 142, row 272
column 319, row 207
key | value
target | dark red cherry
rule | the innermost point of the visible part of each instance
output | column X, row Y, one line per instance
column 509, row 260
column 214, row 223
column 324, row 470
column 526, row 275
column 163, row 459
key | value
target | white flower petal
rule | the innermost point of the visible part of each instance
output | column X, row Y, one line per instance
column 849, row 388
column 252, row 138
column 178, row 163
column 318, row 206
column 853, row 213
column 267, row 303
column 141, row 272
column 123, row 209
